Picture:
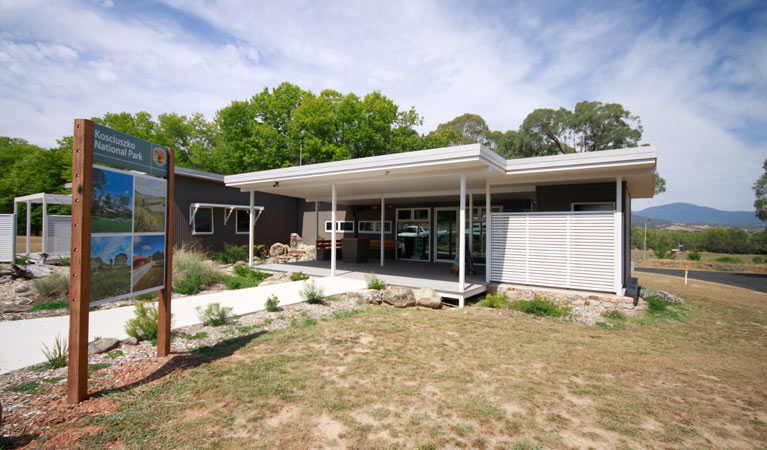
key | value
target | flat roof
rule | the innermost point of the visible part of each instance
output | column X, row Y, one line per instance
column 436, row 172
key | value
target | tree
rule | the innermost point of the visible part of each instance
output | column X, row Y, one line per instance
column 602, row 126
column 760, row 190
column 660, row 184
column 548, row 132
column 470, row 128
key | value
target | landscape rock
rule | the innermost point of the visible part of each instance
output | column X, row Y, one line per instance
column 21, row 288
column 427, row 298
column 37, row 270
column 102, row 346
column 277, row 278
column 5, row 279
column 371, row 296
column 295, row 240
column 278, row 249
column 399, row 297
column 15, row 308
column 130, row 341
column 25, row 294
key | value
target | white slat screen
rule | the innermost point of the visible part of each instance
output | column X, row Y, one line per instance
column 7, row 237
column 571, row 250
column 59, row 236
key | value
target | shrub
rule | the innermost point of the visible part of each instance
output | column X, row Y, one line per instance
column 242, row 270
column 374, row 282
column 662, row 251
column 54, row 285
column 214, row 314
column 231, row 254
column 729, row 259
column 760, row 260
column 58, row 354
column 312, row 294
column 143, row 327
column 21, row 260
column 188, row 263
column 693, row 256
column 271, row 303
column 146, row 296
column 189, row 285
column 539, row 307
column 498, row 300
column 238, row 282
column 63, row 261
column 298, row 276
column 655, row 303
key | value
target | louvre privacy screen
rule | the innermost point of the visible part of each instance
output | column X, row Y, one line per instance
column 568, row 250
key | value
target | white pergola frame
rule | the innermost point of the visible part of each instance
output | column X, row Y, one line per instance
column 38, row 198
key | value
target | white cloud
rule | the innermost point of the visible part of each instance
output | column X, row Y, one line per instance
column 698, row 84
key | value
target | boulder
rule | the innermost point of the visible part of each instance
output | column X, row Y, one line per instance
column 399, row 297
column 295, row 240
column 102, row 345
column 21, row 288
column 372, row 296
column 427, row 298
column 278, row 249
column 277, row 278
column 130, row 341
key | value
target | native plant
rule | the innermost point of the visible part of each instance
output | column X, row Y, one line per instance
column 214, row 314
column 312, row 294
column 271, row 303
column 58, row 354
column 693, row 256
column 143, row 326
column 374, row 282
column 54, row 285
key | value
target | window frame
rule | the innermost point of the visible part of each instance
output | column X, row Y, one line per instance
column 236, row 221
column 612, row 206
column 339, row 228
column 387, row 227
column 194, row 221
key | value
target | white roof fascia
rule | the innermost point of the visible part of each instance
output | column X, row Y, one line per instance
column 638, row 156
column 420, row 158
column 222, row 205
column 192, row 173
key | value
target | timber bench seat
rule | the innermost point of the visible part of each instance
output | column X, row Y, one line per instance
column 324, row 247
column 375, row 248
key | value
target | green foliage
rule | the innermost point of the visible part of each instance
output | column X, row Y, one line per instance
column 303, row 321
column 214, row 314
column 759, row 260
column 524, row 445
column 62, row 261
column 693, row 256
column 312, row 294
column 271, row 303
column 238, row 282
column 662, row 251
column 539, row 307
column 115, row 354
column 655, row 304
column 614, row 314
column 715, row 240
column 246, row 277
column 30, row 387
column 498, row 300
column 374, row 282
column 231, row 254
column 57, row 304
column 729, row 259
column 298, row 276
column 96, row 367
column 54, row 285
column 760, row 191
column 21, row 260
column 190, row 285
column 143, row 326
column 58, row 354
column 146, row 296
column 196, row 336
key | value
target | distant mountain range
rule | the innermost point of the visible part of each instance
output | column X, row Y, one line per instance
column 687, row 213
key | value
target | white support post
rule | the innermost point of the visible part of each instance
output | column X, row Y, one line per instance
column 316, row 222
column 471, row 223
column 618, row 235
column 45, row 226
column 488, row 233
column 252, row 223
column 29, row 225
column 462, row 242
column 383, row 210
column 333, row 231
column 13, row 241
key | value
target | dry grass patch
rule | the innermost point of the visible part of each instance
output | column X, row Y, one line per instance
column 469, row 378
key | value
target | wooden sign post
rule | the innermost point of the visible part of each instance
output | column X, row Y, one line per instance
column 96, row 143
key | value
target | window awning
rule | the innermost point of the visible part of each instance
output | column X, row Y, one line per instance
column 229, row 210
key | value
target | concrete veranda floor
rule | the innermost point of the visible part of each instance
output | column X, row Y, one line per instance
column 21, row 341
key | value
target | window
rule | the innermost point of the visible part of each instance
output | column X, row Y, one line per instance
column 594, row 206
column 342, row 226
column 202, row 222
column 243, row 221
column 373, row 226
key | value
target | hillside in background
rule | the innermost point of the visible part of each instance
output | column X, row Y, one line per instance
column 688, row 213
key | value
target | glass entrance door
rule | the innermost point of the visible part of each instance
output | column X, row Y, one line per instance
column 446, row 234
column 413, row 234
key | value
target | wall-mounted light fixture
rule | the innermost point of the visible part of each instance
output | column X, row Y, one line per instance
column 276, row 184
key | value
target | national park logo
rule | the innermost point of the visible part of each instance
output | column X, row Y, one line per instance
column 160, row 156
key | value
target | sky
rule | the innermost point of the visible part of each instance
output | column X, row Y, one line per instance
column 107, row 247
column 694, row 72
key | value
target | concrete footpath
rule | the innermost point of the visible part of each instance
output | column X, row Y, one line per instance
column 21, row 341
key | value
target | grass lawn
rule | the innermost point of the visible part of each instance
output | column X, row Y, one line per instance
column 110, row 282
column 472, row 378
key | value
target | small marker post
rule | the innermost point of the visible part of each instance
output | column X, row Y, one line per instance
column 685, row 275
